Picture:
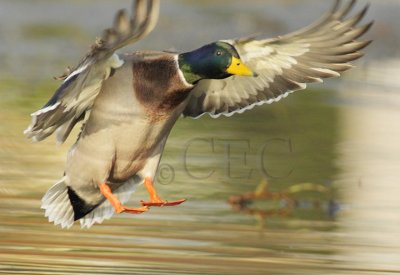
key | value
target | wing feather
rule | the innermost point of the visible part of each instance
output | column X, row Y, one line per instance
column 285, row 64
column 81, row 85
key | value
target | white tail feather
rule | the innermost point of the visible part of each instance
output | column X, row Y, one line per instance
column 58, row 206
column 59, row 210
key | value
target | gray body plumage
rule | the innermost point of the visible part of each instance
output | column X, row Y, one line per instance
column 122, row 137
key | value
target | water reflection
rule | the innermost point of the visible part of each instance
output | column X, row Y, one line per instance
column 263, row 204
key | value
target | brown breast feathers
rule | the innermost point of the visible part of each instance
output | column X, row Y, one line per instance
column 157, row 84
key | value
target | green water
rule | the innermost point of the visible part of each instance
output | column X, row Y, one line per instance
column 329, row 155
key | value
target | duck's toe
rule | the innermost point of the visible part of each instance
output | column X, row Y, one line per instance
column 162, row 203
column 129, row 210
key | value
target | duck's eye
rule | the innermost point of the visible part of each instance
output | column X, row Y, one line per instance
column 218, row 53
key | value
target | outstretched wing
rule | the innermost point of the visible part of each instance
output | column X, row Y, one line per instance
column 81, row 85
column 284, row 64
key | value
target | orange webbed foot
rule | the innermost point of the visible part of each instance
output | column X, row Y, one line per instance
column 118, row 207
column 154, row 198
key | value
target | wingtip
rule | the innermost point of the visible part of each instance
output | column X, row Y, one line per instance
column 367, row 27
column 371, row 23
column 367, row 43
column 335, row 6
column 345, row 10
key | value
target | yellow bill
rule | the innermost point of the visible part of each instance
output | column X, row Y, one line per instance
column 238, row 68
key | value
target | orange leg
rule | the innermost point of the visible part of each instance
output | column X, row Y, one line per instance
column 119, row 208
column 154, row 198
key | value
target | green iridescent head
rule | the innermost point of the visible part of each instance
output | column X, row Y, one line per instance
column 217, row 60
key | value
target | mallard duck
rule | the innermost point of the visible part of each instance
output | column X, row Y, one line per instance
column 130, row 102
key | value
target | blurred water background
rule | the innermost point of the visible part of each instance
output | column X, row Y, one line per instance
column 323, row 164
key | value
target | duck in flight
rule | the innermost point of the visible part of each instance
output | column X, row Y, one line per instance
column 130, row 102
